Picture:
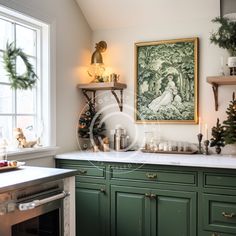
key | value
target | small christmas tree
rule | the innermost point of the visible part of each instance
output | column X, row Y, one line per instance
column 230, row 123
column 90, row 125
column 217, row 139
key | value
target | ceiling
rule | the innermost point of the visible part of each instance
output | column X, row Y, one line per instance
column 113, row 14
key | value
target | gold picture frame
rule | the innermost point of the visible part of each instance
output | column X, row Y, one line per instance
column 166, row 81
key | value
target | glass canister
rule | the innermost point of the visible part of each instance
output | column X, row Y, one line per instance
column 148, row 140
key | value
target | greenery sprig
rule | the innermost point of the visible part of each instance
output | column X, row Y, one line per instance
column 24, row 81
column 225, row 36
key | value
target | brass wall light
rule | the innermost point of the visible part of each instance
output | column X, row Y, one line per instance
column 97, row 68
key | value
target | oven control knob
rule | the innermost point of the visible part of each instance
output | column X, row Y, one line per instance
column 11, row 207
column 3, row 210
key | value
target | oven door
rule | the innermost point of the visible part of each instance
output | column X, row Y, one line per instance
column 35, row 218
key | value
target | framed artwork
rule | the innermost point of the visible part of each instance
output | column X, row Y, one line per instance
column 166, row 81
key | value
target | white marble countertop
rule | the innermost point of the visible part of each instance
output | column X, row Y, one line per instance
column 25, row 176
column 137, row 157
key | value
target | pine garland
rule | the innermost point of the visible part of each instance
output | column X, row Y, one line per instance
column 25, row 81
column 225, row 36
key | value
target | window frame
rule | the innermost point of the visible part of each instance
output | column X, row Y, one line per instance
column 44, row 91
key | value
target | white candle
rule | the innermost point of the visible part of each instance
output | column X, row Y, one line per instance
column 206, row 131
column 199, row 126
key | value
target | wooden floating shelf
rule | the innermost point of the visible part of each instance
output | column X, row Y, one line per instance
column 103, row 86
column 216, row 81
column 93, row 87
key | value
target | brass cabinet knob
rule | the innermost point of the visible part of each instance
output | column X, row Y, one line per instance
column 147, row 195
column 151, row 176
column 228, row 215
column 153, row 196
column 82, row 172
column 102, row 190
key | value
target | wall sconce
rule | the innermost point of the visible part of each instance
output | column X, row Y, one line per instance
column 97, row 68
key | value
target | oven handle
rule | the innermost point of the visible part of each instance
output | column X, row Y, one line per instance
column 31, row 205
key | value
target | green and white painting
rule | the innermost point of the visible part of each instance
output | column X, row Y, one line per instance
column 166, row 81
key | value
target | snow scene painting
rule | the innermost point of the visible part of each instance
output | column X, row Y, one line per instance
column 166, row 81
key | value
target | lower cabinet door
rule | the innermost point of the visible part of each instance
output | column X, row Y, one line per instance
column 173, row 213
column 130, row 211
column 91, row 210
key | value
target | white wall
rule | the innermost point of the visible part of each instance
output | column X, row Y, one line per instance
column 71, row 42
column 119, row 58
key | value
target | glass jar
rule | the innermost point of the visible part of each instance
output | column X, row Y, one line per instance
column 148, row 140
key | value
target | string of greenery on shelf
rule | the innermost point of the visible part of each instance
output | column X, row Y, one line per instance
column 24, row 81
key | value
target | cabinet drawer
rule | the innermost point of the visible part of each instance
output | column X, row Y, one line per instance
column 219, row 180
column 86, row 171
column 219, row 213
column 157, row 176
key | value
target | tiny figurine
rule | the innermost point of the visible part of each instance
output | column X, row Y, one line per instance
column 20, row 137
column 217, row 139
column 105, row 142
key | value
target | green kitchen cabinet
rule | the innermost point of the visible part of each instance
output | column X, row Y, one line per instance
column 173, row 213
column 91, row 209
column 130, row 211
column 117, row 199
column 146, row 212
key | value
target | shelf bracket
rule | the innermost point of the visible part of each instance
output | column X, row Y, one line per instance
column 89, row 98
column 119, row 101
column 215, row 91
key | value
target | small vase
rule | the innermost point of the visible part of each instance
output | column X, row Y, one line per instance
column 232, row 65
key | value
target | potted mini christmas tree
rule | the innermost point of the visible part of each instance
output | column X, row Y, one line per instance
column 90, row 126
column 230, row 123
column 225, row 37
column 217, row 139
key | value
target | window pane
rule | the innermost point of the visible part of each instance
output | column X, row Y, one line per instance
column 20, row 65
column 26, row 40
column 26, row 103
column 27, row 124
column 6, row 124
column 6, row 29
column 6, row 99
column 3, row 73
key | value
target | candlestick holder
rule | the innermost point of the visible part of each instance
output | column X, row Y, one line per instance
column 199, row 137
column 206, row 144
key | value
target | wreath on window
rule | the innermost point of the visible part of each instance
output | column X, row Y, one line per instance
column 24, row 81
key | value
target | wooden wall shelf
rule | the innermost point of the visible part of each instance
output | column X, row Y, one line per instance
column 93, row 87
column 216, row 81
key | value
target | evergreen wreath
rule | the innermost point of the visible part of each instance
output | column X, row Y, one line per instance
column 24, row 81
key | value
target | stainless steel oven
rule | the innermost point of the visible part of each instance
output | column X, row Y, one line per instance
column 33, row 211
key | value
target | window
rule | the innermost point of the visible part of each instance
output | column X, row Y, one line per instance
column 26, row 109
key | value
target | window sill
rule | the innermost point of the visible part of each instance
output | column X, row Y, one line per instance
column 31, row 153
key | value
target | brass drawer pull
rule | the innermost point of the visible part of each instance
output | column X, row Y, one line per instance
column 228, row 215
column 82, row 172
column 151, row 176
